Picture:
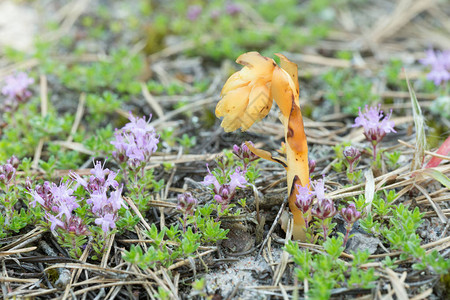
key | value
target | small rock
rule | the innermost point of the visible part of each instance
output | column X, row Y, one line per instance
column 362, row 241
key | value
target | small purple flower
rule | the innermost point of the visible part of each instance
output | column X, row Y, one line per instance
column 375, row 126
column 16, row 86
column 237, row 179
column 350, row 214
column 232, row 8
column 304, row 198
column 210, row 179
column 319, row 189
column 438, row 75
column 76, row 226
column 440, row 66
column 14, row 161
column 54, row 222
column 107, row 222
column 194, row 12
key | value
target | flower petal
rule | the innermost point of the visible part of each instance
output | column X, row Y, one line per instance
column 259, row 65
column 233, row 102
column 259, row 105
column 235, row 81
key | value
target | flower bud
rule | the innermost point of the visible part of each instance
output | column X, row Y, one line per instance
column 312, row 165
column 350, row 214
column 7, row 172
column 14, row 161
column 244, row 153
column 186, row 202
column 324, row 209
column 352, row 156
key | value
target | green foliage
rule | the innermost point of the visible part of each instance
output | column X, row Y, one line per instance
column 300, row 25
column 171, row 244
column 334, row 246
column 392, row 159
column 348, row 90
column 325, row 271
column 141, row 186
column 119, row 72
column 338, row 152
column 440, row 107
column 392, row 72
column 99, row 106
column 100, row 141
column 399, row 230
column 187, row 142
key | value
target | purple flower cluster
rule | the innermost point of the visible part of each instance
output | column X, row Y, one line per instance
column 135, row 142
column 59, row 202
column 440, row 66
column 105, row 195
column 17, row 85
column 375, row 124
column 323, row 209
column 8, row 170
column 224, row 193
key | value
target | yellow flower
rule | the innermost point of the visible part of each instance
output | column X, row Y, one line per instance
column 246, row 96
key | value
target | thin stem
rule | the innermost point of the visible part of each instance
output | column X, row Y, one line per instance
column 347, row 234
column 325, row 231
column 374, row 152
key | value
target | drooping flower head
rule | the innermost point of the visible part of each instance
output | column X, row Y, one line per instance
column 246, row 96
column 440, row 66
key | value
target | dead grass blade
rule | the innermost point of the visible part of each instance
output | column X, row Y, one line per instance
column 397, row 285
column 369, row 189
column 419, row 123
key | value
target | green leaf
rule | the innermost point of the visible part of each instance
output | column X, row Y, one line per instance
column 437, row 175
